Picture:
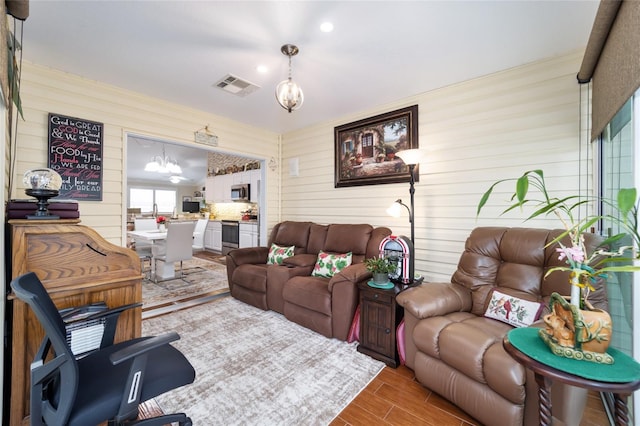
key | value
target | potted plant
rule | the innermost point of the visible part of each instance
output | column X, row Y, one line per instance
column 565, row 209
column 584, row 267
column 380, row 267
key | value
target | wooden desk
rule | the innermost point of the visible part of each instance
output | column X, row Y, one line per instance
column 545, row 374
column 77, row 267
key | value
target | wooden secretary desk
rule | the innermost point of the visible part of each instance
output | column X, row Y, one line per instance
column 77, row 267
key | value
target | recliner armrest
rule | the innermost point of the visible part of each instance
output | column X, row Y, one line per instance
column 354, row 273
column 435, row 299
column 252, row 255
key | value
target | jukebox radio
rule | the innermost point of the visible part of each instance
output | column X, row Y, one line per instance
column 399, row 249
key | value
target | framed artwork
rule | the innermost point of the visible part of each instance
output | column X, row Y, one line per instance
column 365, row 150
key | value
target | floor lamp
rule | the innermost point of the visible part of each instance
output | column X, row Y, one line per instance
column 411, row 158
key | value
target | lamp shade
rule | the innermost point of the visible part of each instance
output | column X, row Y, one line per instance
column 410, row 156
column 395, row 209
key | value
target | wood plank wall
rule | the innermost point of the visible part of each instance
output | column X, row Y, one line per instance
column 474, row 133
column 46, row 90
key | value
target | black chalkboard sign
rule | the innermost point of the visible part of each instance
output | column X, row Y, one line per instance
column 75, row 151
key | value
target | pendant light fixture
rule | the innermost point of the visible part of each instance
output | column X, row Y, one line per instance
column 163, row 164
column 288, row 93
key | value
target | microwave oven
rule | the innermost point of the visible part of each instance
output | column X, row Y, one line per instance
column 240, row 192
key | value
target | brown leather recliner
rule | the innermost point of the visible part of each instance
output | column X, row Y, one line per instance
column 325, row 305
column 457, row 352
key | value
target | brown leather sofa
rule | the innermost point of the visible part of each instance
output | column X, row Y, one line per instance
column 325, row 305
column 457, row 352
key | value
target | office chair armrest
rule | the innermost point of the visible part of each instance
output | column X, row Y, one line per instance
column 67, row 317
column 142, row 347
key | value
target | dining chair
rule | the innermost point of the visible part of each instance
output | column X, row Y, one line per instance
column 143, row 247
column 198, row 234
column 177, row 247
column 145, row 224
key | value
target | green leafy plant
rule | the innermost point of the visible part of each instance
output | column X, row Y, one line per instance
column 566, row 210
column 379, row 265
column 13, row 72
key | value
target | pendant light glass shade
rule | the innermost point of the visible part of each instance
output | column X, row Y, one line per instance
column 288, row 93
column 163, row 164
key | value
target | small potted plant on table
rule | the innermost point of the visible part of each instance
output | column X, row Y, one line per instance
column 380, row 267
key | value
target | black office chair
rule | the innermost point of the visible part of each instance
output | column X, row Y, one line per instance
column 104, row 385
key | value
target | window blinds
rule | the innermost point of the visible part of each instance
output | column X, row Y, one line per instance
column 612, row 59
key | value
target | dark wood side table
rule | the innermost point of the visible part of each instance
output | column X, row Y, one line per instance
column 379, row 319
column 523, row 344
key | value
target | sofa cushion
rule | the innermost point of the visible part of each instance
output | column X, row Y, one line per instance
column 329, row 264
column 342, row 238
column 317, row 237
column 290, row 233
column 309, row 292
column 278, row 253
column 252, row 277
column 512, row 310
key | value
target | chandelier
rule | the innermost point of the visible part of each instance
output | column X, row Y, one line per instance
column 288, row 93
column 163, row 164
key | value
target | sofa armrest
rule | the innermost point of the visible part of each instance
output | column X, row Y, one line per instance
column 305, row 259
column 253, row 255
column 435, row 299
column 352, row 273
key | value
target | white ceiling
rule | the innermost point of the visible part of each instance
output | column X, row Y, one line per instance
column 379, row 52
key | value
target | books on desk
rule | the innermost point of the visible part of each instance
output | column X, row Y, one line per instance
column 20, row 209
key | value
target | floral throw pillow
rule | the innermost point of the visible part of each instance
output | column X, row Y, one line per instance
column 329, row 264
column 512, row 310
column 279, row 253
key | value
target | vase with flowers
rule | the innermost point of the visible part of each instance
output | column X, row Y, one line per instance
column 162, row 223
column 569, row 331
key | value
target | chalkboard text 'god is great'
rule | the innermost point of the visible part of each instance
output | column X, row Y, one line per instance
column 75, row 152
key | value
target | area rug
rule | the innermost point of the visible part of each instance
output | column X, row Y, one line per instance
column 201, row 277
column 255, row 367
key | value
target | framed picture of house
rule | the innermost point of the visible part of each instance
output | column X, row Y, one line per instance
column 365, row 150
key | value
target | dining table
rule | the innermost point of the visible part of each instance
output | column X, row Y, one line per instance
column 164, row 270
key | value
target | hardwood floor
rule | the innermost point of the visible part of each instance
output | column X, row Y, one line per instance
column 394, row 397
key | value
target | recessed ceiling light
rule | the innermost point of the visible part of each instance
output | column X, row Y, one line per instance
column 262, row 69
column 326, row 27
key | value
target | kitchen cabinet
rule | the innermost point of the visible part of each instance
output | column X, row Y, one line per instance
column 209, row 189
column 219, row 187
column 248, row 235
column 241, row 177
column 213, row 236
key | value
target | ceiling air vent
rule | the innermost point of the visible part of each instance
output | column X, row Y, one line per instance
column 236, row 86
